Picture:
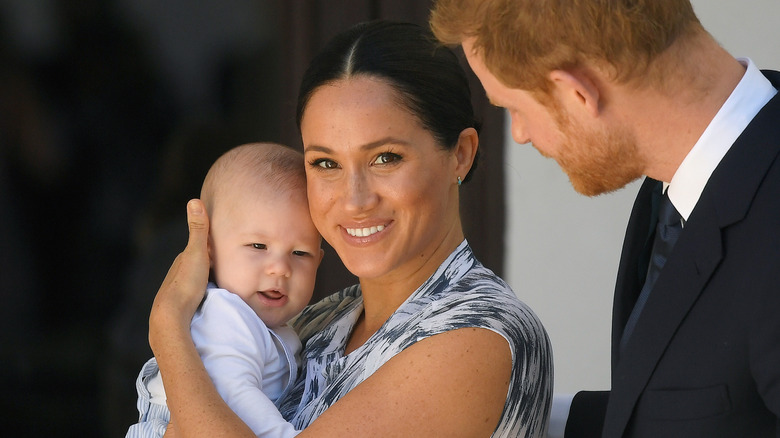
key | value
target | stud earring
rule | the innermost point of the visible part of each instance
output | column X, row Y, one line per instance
column 460, row 181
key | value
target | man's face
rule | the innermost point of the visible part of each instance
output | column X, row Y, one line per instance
column 596, row 157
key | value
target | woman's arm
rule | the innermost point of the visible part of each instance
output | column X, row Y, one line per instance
column 451, row 384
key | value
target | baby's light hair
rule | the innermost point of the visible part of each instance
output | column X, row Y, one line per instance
column 259, row 166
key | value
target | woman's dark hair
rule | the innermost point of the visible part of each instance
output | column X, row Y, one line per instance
column 428, row 77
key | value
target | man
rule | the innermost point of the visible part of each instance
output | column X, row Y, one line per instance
column 614, row 90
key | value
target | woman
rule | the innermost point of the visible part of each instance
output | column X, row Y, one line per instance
column 430, row 342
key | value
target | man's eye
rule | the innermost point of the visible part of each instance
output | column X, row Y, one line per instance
column 258, row 245
column 387, row 158
column 300, row 253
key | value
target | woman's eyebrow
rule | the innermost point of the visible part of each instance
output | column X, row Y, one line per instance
column 368, row 146
column 383, row 141
column 317, row 148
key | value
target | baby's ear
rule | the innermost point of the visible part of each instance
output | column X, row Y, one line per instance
column 209, row 246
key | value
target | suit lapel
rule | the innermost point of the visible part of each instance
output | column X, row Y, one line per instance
column 724, row 201
column 693, row 261
column 634, row 259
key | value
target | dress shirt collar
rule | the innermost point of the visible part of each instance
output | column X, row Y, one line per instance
column 751, row 94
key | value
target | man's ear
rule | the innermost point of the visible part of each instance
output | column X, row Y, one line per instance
column 465, row 151
column 577, row 90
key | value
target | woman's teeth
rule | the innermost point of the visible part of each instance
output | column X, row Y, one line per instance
column 364, row 232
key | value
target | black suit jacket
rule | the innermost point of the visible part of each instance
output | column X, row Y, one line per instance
column 704, row 358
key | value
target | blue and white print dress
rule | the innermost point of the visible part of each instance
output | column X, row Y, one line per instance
column 460, row 294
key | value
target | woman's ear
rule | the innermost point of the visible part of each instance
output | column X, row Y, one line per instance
column 465, row 151
column 576, row 90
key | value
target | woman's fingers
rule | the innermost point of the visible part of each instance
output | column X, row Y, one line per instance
column 198, row 223
column 184, row 285
column 170, row 431
column 190, row 271
column 194, row 261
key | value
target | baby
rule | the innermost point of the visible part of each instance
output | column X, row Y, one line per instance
column 264, row 252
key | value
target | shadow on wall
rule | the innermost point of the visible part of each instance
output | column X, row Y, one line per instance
column 98, row 156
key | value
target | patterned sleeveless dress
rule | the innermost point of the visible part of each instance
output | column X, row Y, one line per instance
column 460, row 294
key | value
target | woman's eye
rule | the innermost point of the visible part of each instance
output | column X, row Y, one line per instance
column 258, row 245
column 324, row 163
column 300, row 253
column 387, row 158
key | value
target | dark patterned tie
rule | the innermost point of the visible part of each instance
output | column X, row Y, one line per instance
column 666, row 233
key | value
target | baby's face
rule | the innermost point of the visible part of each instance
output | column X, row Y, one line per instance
column 266, row 250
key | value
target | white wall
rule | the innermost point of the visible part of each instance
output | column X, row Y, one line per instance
column 562, row 249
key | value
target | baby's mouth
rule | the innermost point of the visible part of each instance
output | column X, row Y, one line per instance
column 271, row 294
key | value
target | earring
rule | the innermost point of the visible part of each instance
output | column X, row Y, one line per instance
column 460, row 181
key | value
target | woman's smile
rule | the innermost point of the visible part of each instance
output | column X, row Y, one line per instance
column 365, row 231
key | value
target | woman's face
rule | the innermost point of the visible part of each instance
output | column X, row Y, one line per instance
column 382, row 192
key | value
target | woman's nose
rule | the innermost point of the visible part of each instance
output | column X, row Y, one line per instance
column 359, row 194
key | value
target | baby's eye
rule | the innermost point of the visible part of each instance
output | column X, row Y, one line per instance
column 300, row 253
column 258, row 245
column 387, row 158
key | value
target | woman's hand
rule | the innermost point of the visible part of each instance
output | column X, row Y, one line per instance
column 170, row 431
column 191, row 396
column 185, row 284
